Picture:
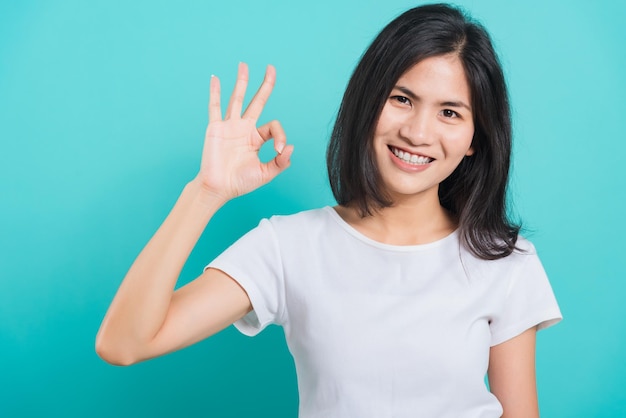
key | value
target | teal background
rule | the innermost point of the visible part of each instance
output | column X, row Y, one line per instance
column 102, row 115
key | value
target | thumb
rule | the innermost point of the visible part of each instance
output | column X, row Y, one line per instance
column 280, row 163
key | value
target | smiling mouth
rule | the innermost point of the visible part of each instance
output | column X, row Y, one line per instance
column 407, row 157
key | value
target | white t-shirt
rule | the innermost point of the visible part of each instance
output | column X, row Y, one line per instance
column 379, row 330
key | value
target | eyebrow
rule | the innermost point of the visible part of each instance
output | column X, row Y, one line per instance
column 415, row 97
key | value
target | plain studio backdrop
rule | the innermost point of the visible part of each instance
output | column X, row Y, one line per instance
column 102, row 116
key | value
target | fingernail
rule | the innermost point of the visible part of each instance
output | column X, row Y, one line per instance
column 280, row 148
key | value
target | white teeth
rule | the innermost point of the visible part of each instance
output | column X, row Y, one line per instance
column 410, row 158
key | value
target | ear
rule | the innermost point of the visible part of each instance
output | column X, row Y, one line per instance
column 470, row 151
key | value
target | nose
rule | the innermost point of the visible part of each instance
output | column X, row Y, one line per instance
column 418, row 128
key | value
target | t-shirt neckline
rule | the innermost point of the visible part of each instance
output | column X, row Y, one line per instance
column 402, row 248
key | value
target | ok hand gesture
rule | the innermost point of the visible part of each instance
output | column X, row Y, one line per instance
column 230, row 159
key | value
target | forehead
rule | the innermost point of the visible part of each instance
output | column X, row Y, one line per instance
column 441, row 76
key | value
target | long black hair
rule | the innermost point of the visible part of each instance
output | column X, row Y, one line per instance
column 475, row 193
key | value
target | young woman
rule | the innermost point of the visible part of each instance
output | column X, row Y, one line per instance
column 396, row 302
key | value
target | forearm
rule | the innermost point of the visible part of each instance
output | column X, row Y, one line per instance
column 143, row 299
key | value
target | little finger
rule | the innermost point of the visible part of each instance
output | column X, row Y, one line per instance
column 215, row 111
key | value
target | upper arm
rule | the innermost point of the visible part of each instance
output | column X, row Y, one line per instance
column 512, row 375
column 198, row 310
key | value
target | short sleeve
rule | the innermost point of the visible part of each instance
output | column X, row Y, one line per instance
column 254, row 261
column 529, row 300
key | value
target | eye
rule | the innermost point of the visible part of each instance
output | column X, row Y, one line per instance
column 401, row 99
column 447, row 113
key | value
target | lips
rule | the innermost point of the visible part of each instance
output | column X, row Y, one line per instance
column 407, row 157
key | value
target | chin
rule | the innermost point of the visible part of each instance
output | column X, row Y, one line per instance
column 406, row 192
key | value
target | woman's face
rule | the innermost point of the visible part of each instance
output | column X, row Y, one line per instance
column 425, row 128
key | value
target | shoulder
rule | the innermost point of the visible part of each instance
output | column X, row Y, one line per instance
column 475, row 267
column 523, row 247
column 312, row 218
column 302, row 231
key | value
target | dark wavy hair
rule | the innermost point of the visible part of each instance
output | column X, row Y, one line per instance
column 475, row 193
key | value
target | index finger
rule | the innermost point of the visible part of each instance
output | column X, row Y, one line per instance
column 254, row 109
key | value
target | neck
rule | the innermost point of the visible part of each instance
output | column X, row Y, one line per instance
column 407, row 222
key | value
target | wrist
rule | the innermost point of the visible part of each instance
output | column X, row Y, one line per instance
column 203, row 195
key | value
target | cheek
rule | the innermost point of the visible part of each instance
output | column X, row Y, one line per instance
column 382, row 124
column 470, row 146
column 389, row 119
column 461, row 143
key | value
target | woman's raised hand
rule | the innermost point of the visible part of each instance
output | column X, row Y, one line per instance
column 230, row 159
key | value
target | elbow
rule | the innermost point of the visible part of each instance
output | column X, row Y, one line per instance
column 114, row 353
